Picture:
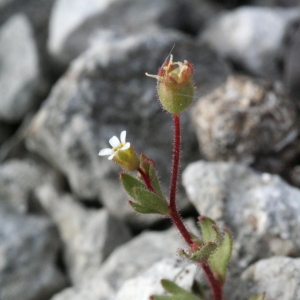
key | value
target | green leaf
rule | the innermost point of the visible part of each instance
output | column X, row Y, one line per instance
column 151, row 201
column 155, row 181
column 178, row 293
column 201, row 255
column 141, row 209
column 258, row 297
column 219, row 260
column 210, row 231
column 129, row 183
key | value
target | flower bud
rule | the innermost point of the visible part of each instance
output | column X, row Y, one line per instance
column 175, row 87
column 127, row 159
column 146, row 163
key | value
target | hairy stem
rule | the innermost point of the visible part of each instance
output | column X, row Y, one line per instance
column 216, row 287
column 146, row 179
column 175, row 216
column 176, row 157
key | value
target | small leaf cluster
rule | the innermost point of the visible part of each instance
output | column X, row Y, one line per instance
column 145, row 201
column 215, row 248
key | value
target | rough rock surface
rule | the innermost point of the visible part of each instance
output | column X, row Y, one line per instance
column 125, row 262
column 247, row 120
column 261, row 210
column 6, row 131
column 19, row 179
column 252, row 37
column 149, row 283
column 278, row 277
column 28, row 253
column 19, row 69
column 291, row 61
column 89, row 236
column 282, row 3
column 74, row 27
column 104, row 92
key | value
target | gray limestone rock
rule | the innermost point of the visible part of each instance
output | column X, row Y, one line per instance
column 6, row 131
column 74, row 25
column 278, row 277
column 19, row 179
column 80, row 21
column 250, row 121
column 126, row 262
column 28, row 253
column 19, row 69
column 261, row 210
column 149, row 282
column 88, row 236
column 106, row 91
column 282, row 3
column 252, row 37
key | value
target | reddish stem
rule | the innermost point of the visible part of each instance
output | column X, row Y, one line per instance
column 176, row 157
column 146, row 179
column 174, row 215
column 215, row 285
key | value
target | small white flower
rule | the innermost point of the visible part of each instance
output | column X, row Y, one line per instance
column 117, row 145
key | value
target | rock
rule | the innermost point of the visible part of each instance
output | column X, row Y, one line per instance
column 282, row 3
column 6, row 131
column 104, row 92
column 125, row 262
column 37, row 11
column 278, row 277
column 252, row 37
column 149, row 283
column 261, row 210
column 291, row 74
column 28, row 253
column 250, row 121
column 19, row 180
column 19, row 73
column 73, row 27
column 89, row 236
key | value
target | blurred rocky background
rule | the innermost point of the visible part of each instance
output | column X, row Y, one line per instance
column 72, row 75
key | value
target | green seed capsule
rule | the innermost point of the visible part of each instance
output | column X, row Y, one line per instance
column 175, row 86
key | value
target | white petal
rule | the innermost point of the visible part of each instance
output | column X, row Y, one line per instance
column 112, row 156
column 114, row 141
column 126, row 146
column 106, row 151
column 123, row 137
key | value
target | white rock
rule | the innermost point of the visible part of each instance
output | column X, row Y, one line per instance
column 278, row 277
column 89, row 236
column 28, row 253
column 125, row 262
column 251, row 37
column 263, row 212
column 74, row 22
column 19, row 69
column 19, row 180
column 149, row 282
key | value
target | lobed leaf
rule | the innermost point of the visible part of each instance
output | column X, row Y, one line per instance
column 155, row 181
column 219, row 260
column 151, row 201
column 210, row 231
column 141, row 209
column 129, row 183
column 202, row 255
